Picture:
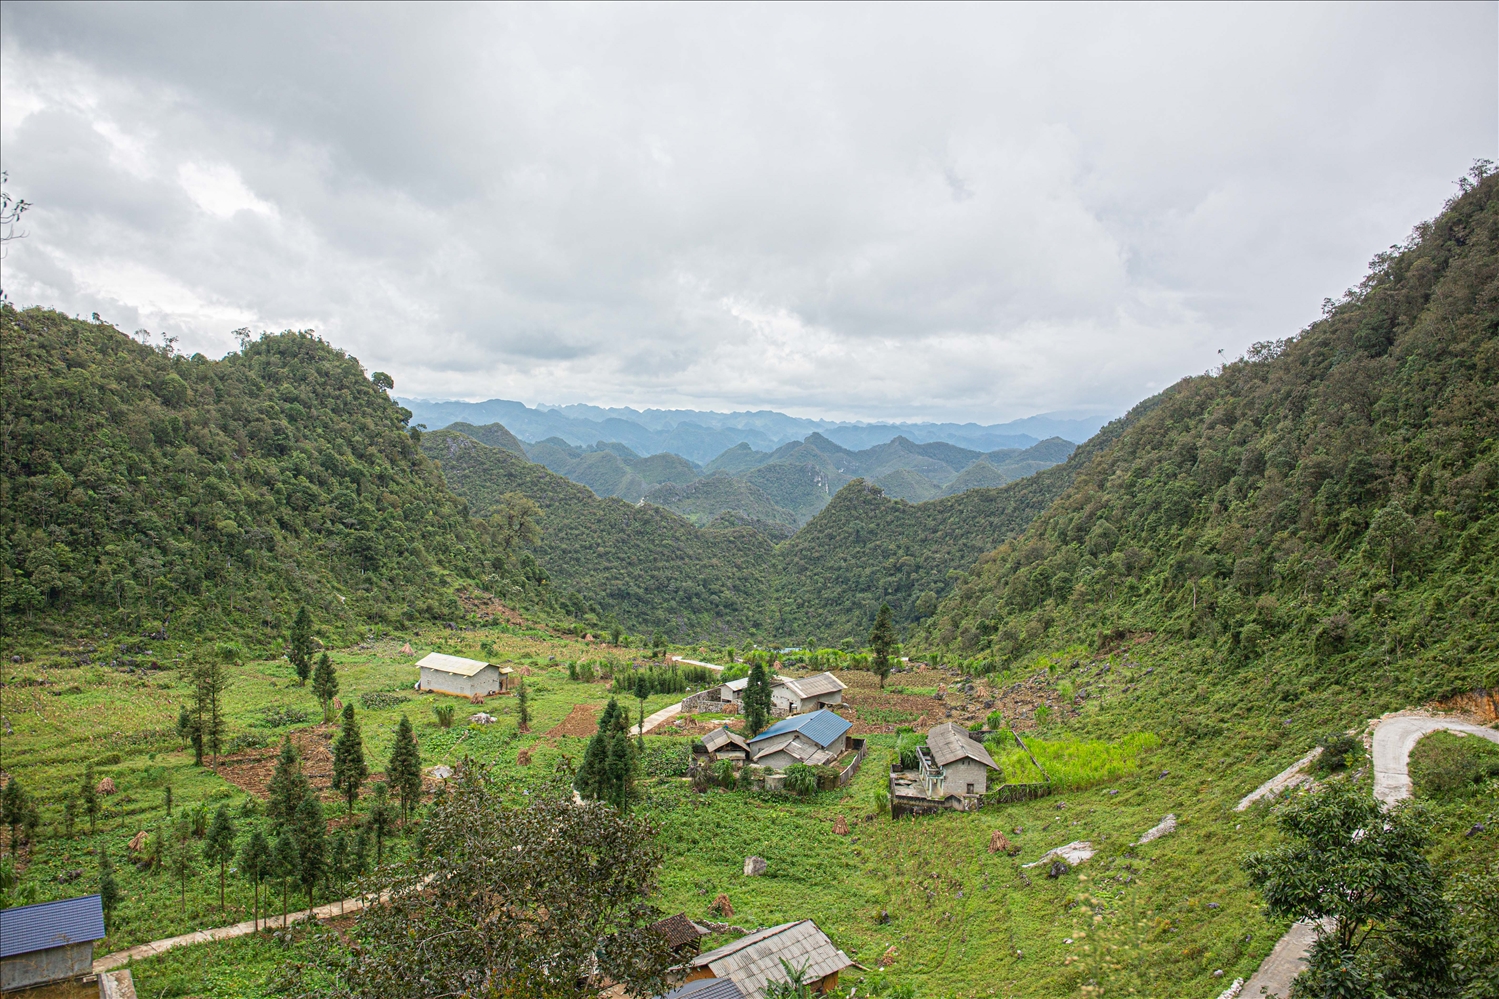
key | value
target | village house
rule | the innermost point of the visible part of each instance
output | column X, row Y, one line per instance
column 756, row 958
column 445, row 674
column 815, row 738
column 721, row 744
column 794, row 697
column 962, row 765
column 49, row 941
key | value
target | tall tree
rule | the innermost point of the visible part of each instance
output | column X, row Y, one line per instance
column 757, row 699
column 210, row 679
column 88, row 793
column 256, row 861
column 610, row 761
column 404, row 771
column 13, row 805
column 349, row 768
column 181, row 855
column 882, row 642
column 325, row 684
column 642, row 691
column 287, row 864
column 381, row 819
column 299, row 645
column 109, row 891
column 218, row 846
column 523, row 707
column 288, row 785
column 311, row 835
column 534, row 899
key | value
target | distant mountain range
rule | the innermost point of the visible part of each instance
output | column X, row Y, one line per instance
column 701, row 436
column 779, row 490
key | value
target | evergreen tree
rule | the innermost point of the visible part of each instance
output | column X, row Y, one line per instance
column 382, row 819
column 621, row 771
column 286, row 864
column 349, row 769
column 218, row 846
column 13, row 806
column 310, row 834
column 299, row 646
column 882, row 641
column 167, row 795
column 288, row 785
column 70, row 814
column 181, row 858
column 610, row 762
column 404, row 771
column 210, row 679
column 88, row 793
column 256, row 861
column 109, row 892
column 523, row 707
column 325, row 684
column 184, row 725
column 757, row 699
column 642, row 691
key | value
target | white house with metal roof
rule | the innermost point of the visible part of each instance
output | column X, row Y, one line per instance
column 755, row 959
column 795, row 696
column 49, row 941
column 815, row 738
column 445, row 674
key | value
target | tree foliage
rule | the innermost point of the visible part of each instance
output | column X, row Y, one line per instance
column 404, row 771
column 349, row 768
column 756, row 698
column 882, row 642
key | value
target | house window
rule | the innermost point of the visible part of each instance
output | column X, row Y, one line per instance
column 970, row 788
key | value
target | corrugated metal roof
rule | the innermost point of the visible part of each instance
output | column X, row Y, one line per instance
column 739, row 684
column 755, row 959
column 452, row 664
column 822, row 727
column 707, row 988
column 949, row 742
column 813, row 686
column 29, row 928
column 721, row 737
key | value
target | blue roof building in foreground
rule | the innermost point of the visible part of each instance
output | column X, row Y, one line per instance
column 49, row 941
column 822, row 727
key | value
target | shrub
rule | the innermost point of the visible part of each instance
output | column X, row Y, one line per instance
column 276, row 717
column 444, row 714
column 1445, row 765
column 670, row 760
column 1338, row 750
column 801, row 779
column 723, row 774
column 381, row 699
column 996, row 720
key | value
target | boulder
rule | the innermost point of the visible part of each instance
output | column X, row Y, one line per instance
column 999, row 843
column 1163, row 828
column 754, row 866
column 441, row 772
column 482, row 718
column 1057, row 869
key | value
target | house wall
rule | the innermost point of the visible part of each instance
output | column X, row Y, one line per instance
column 961, row 773
column 51, row 965
column 795, row 751
column 486, row 681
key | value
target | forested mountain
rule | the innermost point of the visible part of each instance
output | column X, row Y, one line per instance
column 141, row 485
column 1326, row 508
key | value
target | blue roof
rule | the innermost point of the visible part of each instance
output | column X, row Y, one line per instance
column 28, row 928
column 822, row 727
column 707, row 988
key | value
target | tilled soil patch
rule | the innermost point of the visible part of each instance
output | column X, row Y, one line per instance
column 252, row 771
column 581, row 721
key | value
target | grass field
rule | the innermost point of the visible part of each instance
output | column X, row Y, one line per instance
column 921, row 898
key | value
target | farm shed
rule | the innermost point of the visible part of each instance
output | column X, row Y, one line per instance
column 721, row 744
column 807, row 694
column 445, row 674
column 49, row 941
column 963, row 764
column 755, row 959
column 682, row 934
column 815, row 738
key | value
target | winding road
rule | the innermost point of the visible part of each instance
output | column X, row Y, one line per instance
column 1391, row 742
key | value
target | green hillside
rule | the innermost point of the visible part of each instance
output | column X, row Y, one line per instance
column 1323, row 510
column 141, row 486
column 708, row 498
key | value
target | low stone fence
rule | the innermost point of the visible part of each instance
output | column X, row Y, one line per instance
column 861, row 747
column 707, row 701
column 1006, row 793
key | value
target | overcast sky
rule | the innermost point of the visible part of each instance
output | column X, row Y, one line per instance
column 877, row 212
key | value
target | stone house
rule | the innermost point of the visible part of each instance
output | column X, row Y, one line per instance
column 49, row 941
column 445, row 674
column 959, row 764
column 815, row 738
column 794, row 697
column 721, row 744
column 756, row 958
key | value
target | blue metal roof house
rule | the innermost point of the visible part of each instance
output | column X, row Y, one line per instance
column 813, row 738
column 49, row 941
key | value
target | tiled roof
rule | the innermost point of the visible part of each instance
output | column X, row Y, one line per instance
column 707, row 988
column 755, row 959
column 29, row 928
column 950, row 742
column 814, row 686
column 822, row 727
column 678, row 930
column 452, row 664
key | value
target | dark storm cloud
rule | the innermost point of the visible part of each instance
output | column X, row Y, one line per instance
column 881, row 212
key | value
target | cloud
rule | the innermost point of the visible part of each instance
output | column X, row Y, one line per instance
column 899, row 212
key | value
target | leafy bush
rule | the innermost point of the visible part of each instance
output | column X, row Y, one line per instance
column 247, row 740
column 801, row 779
column 669, row 760
column 1445, row 765
column 1338, row 749
column 444, row 715
column 277, row 716
column 377, row 699
column 723, row 774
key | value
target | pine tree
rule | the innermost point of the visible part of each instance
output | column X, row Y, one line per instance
column 210, row 680
column 299, row 646
column 286, row 864
column 13, row 804
column 256, row 861
column 167, row 795
column 70, row 814
column 523, row 707
column 349, row 769
column 381, row 819
column 404, row 771
column 882, row 641
column 325, row 684
column 109, row 892
column 621, row 771
column 288, row 785
column 310, row 833
column 184, row 725
column 218, row 846
column 88, row 793
column 642, row 691
column 757, row 699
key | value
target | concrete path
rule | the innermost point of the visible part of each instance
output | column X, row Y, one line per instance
column 694, row 662
column 1392, row 740
column 1290, row 777
column 651, row 721
column 120, row 958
